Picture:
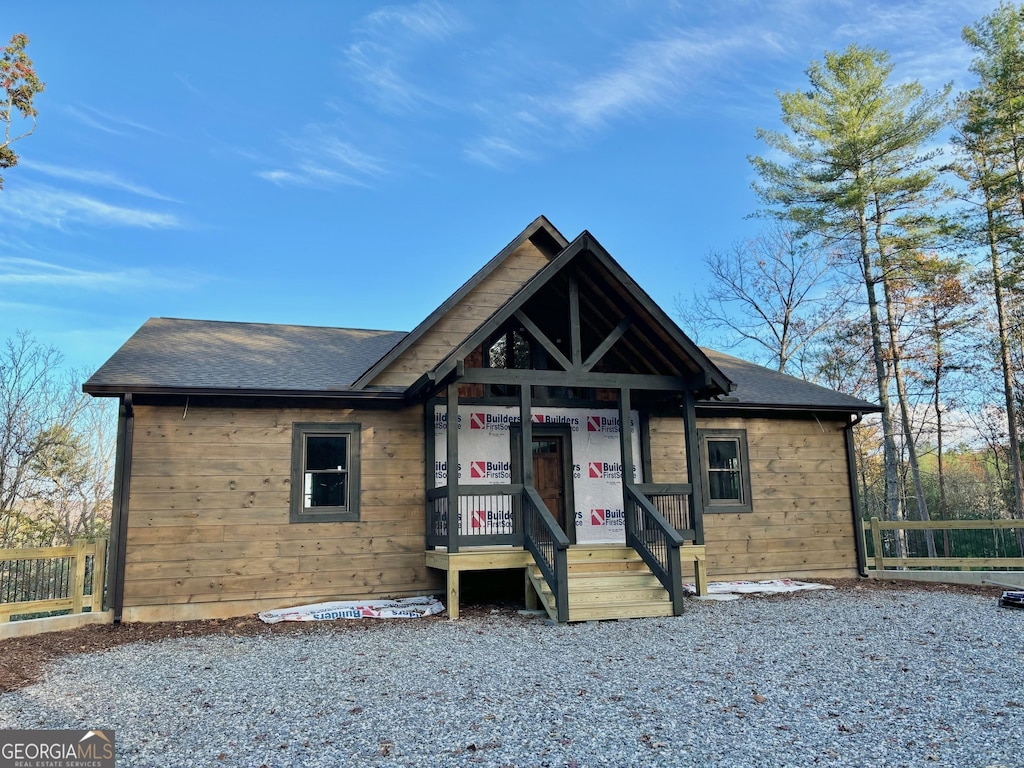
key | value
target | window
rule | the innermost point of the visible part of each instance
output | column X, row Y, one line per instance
column 325, row 473
column 726, row 470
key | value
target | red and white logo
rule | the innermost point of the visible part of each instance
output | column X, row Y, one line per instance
column 596, row 469
column 478, row 469
column 593, row 423
column 597, row 517
column 477, row 421
column 537, row 418
column 479, row 518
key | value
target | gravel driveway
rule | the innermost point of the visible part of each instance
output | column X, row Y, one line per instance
column 844, row 678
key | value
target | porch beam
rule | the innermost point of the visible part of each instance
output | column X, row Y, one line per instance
column 604, row 346
column 575, row 379
column 545, row 342
column 453, row 472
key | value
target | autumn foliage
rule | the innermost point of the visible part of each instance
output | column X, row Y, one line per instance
column 17, row 108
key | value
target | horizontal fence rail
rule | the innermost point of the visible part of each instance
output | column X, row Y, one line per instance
column 45, row 579
column 963, row 544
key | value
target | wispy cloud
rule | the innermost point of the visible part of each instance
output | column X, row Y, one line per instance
column 46, row 206
column 496, row 152
column 95, row 178
column 389, row 40
column 426, row 20
column 116, row 125
column 321, row 158
column 649, row 74
column 18, row 272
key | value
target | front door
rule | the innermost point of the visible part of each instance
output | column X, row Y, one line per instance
column 550, row 461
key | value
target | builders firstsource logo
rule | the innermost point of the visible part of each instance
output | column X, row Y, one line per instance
column 603, row 469
column 489, row 518
column 613, row 517
column 441, row 421
column 554, row 418
column 490, row 470
column 606, row 424
column 441, row 470
column 492, row 422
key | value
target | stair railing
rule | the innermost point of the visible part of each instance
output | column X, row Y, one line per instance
column 657, row 542
column 549, row 545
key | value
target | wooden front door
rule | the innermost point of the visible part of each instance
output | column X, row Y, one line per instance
column 549, row 478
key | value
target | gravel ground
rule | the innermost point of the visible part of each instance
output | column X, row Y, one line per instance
column 843, row 678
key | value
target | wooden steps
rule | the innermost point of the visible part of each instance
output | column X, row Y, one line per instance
column 606, row 582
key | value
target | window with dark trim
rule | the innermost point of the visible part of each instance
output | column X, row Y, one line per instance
column 726, row 470
column 325, row 473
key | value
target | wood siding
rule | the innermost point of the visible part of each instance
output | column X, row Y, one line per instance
column 801, row 524
column 208, row 530
column 464, row 318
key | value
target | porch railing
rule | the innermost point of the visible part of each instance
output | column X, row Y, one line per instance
column 657, row 541
column 45, row 579
column 672, row 501
column 549, row 545
column 487, row 515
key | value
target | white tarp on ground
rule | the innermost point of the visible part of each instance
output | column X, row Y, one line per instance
column 769, row 586
column 404, row 608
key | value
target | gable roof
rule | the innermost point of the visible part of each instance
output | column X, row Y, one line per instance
column 757, row 386
column 173, row 355
column 585, row 246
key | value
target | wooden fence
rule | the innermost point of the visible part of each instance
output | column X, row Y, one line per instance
column 44, row 579
column 964, row 544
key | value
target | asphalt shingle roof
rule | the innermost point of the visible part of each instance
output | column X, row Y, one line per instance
column 757, row 385
column 169, row 353
column 177, row 355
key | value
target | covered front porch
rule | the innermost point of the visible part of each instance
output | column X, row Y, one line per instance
column 630, row 564
column 538, row 452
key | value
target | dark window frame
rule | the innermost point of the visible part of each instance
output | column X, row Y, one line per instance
column 724, row 506
column 298, row 512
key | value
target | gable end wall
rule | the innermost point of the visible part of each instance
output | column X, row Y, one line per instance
column 462, row 319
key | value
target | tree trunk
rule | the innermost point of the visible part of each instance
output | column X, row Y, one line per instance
column 893, row 496
column 896, row 355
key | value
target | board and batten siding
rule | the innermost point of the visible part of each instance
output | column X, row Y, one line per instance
column 457, row 323
column 801, row 524
column 208, row 525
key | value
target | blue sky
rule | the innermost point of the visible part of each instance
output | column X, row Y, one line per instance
column 351, row 164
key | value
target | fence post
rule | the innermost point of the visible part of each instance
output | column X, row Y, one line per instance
column 78, row 586
column 876, row 540
column 99, row 574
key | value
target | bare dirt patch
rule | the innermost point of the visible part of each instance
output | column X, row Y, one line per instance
column 23, row 660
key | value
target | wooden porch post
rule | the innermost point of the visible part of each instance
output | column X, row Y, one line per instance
column 453, row 470
column 526, row 425
column 526, row 462
column 695, row 465
column 625, row 447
